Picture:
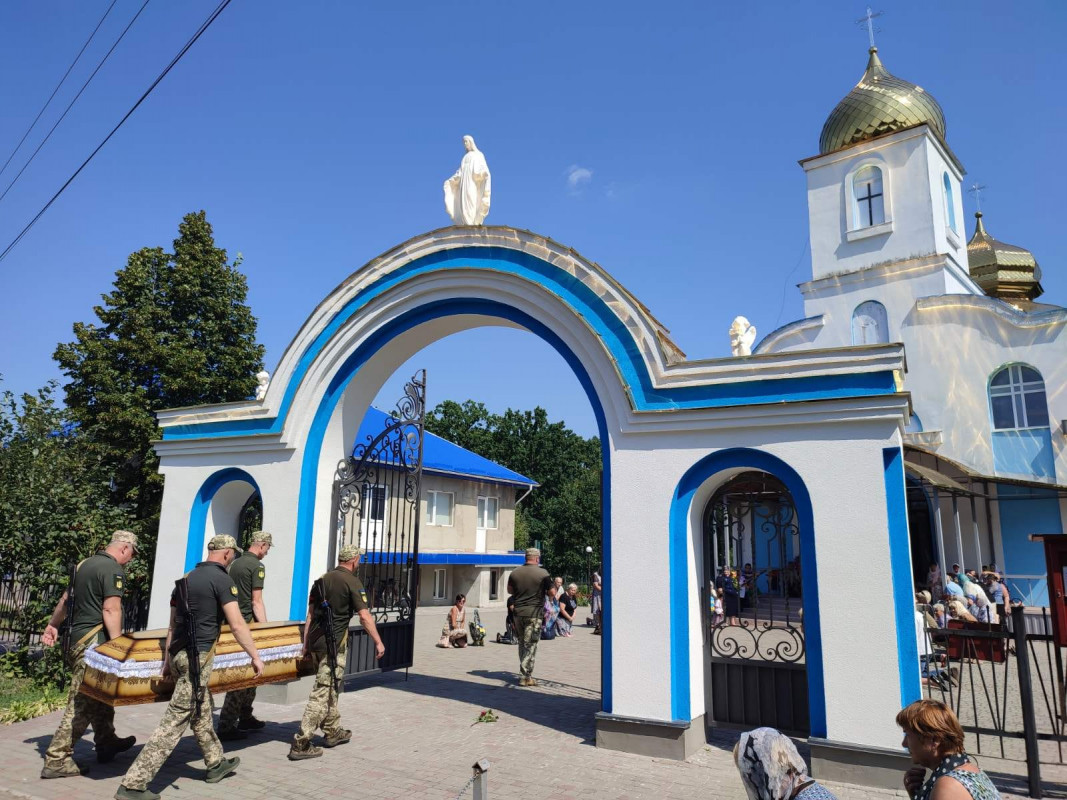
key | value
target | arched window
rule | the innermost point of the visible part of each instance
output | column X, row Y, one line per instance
column 868, row 198
column 1017, row 398
column 950, row 203
column 870, row 324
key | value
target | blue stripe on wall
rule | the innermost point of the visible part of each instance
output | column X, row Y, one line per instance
column 681, row 507
column 194, row 543
column 900, row 563
column 589, row 307
column 349, row 369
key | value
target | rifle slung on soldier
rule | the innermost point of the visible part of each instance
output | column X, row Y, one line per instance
column 331, row 639
column 190, row 643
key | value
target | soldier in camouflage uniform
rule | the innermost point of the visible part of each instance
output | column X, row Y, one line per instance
column 212, row 599
column 248, row 574
column 95, row 618
column 344, row 593
column 528, row 585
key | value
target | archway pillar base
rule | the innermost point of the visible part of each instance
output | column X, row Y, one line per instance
column 677, row 739
column 858, row 764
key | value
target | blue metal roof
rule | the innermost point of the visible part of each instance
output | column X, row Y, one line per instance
column 442, row 456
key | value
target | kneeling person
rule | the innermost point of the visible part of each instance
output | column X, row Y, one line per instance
column 212, row 599
column 248, row 574
column 343, row 593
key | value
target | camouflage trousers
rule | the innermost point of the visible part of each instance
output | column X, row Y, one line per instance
column 81, row 712
column 179, row 714
column 321, row 710
column 529, row 636
column 236, row 706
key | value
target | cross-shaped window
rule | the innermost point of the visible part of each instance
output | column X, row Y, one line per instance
column 870, row 202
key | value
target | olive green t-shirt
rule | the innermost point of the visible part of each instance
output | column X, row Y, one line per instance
column 210, row 588
column 529, row 583
column 98, row 578
column 247, row 573
column 346, row 596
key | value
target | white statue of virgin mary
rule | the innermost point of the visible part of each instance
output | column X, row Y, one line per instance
column 467, row 192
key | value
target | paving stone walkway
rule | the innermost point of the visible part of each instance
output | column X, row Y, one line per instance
column 417, row 738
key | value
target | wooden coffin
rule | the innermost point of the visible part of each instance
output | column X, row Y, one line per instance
column 128, row 669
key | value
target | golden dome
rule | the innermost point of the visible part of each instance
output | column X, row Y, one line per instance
column 1002, row 270
column 880, row 103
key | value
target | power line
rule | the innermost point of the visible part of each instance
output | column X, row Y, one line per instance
column 75, row 100
column 200, row 31
column 61, row 80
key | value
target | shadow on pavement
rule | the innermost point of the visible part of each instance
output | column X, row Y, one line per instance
column 562, row 707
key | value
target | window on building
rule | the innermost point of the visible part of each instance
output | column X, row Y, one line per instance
column 440, row 584
column 372, row 512
column 439, row 506
column 494, row 584
column 869, row 199
column 487, row 512
column 950, row 203
column 1017, row 398
column 870, row 324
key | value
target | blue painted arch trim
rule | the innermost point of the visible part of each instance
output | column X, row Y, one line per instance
column 350, row 369
column 681, row 508
column 900, row 566
column 586, row 304
column 194, row 547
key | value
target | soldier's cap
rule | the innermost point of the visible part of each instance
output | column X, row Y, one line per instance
column 223, row 542
column 262, row 536
column 125, row 537
column 348, row 552
column 533, row 552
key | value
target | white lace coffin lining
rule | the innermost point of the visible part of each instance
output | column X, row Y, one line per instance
column 154, row 669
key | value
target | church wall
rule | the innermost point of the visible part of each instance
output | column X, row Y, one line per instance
column 904, row 160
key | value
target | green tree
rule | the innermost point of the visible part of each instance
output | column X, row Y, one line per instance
column 174, row 331
column 563, row 512
column 55, row 503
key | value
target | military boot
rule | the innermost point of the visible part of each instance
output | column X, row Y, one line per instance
column 337, row 737
column 301, row 750
column 135, row 794
column 231, row 734
column 222, row 769
column 107, row 751
column 69, row 769
column 250, row 724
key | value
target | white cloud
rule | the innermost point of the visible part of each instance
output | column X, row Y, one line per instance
column 577, row 177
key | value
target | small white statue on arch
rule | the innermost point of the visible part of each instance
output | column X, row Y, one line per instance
column 742, row 336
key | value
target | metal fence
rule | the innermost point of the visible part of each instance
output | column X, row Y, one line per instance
column 24, row 611
column 1006, row 684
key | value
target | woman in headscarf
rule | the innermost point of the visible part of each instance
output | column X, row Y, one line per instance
column 982, row 609
column 772, row 769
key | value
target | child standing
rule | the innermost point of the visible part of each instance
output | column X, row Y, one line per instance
column 718, row 607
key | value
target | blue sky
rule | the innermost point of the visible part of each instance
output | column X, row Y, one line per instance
column 660, row 141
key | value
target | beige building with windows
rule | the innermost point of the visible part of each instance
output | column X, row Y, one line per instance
column 466, row 523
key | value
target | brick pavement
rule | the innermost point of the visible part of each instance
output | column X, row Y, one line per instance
column 416, row 738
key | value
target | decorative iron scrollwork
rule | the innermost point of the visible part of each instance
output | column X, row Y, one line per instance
column 752, row 520
column 378, row 488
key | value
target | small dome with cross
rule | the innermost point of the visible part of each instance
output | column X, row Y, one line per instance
column 879, row 104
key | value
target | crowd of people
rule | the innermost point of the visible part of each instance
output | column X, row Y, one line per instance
column 967, row 595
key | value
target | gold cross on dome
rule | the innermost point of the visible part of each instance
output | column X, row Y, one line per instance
column 868, row 20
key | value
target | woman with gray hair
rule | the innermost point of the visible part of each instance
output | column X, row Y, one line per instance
column 772, row 769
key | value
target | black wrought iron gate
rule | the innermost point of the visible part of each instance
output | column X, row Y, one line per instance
column 376, row 500
column 756, row 672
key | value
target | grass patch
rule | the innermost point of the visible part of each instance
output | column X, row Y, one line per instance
column 21, row 699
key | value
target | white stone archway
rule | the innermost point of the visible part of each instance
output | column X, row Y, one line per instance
column 659, row 415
